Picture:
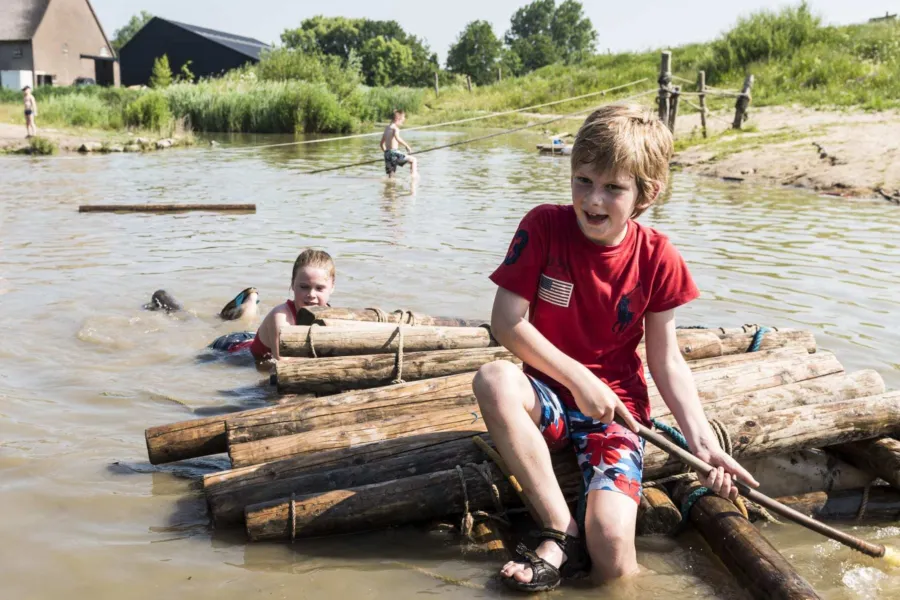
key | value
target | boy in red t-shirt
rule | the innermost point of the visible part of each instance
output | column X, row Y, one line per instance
column 577, row 289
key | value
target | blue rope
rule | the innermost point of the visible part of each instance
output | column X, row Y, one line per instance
column 758, row 338
column 672, row 432
column 691, row 500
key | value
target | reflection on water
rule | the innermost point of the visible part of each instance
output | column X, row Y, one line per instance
column 83, row 370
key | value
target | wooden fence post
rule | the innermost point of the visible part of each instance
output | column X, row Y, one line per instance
column 701, row 87
column 665, row 80
column 499, row 73
column 469, row 83
column 673, row 106
column 436, row 90
column 743, row 101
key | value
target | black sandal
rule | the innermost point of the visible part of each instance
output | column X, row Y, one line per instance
column 544, row 576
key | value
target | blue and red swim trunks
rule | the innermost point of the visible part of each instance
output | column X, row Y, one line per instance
column 616, row 451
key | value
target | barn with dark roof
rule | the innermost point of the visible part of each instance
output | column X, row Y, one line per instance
column 53, row 42
column 210, row 52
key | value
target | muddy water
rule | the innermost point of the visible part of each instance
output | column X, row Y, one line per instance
column 83, row 370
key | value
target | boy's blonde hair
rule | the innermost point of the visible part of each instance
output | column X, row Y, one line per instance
column 627, row 138
column 313, row 258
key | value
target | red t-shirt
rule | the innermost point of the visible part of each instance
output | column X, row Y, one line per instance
column 590, row 300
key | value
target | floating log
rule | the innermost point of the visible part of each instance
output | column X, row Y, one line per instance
column 331, row 341
column 228, row 492
column 880, row 458
column 262, row 443
column 157, row 208
column 333, row 375
column 202, row 437
column 657, row 514
column 399, row 501
column 308, row 315
column 882, row 504
column 762, row 570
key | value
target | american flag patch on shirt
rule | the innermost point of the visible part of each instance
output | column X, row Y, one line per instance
column 555, row 291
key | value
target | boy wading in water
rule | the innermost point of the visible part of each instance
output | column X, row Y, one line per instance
column 30, row 111
column 390, row 141
column 578, row 289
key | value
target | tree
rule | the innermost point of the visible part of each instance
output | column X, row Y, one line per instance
column 476, row 53
column 542, row 33
column 125, row 33
column 161, row 76
column 572, row 32
column 344, row 38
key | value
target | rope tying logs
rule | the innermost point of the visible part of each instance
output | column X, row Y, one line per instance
column 309, row 341
column 398, row 363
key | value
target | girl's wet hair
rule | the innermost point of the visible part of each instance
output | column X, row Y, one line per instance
column 314, row 258
column 628, row 138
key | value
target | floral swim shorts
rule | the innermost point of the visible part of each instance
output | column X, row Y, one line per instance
column 617, row 452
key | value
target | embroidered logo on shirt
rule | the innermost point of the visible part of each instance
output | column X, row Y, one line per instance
column 555, row 291
column 624, row 315
column 518, row 244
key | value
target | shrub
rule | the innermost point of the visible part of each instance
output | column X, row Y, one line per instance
column 149, row 111
column 42, row 146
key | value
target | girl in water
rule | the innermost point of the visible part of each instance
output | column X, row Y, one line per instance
column 312, row 282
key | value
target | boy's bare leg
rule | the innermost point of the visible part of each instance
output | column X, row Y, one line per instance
column 413, row 166
column 609, row 522
column 511, row 412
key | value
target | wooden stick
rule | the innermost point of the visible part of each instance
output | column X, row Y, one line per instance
column 868, row 548
column 665, row 80
column 673, row 107
column 742, row 103
column 156, row 208
column 701, row 86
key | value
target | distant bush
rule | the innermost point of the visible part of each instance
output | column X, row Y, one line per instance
column 763, row 36
column 42, row 146
column 149, row 111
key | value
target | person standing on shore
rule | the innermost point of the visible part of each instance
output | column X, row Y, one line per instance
column 30, row 111
column 391, row 141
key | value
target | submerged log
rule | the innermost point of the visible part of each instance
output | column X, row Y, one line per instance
column 762, row 570
column 882, row 504
column 880, row 458
column 657, row 514
column 316, row 341
column 156, row 208
column 308, row 315
column 251, row 441
column 411, row 499
column 333, row 375
column 229, row 491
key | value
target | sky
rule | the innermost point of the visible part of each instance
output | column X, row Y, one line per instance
column 621, row 26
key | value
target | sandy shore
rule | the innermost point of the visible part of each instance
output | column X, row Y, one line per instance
column 849, row 153
column 12, row 138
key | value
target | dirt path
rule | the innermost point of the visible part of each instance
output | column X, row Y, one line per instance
column 12, row 137
column 849, row 153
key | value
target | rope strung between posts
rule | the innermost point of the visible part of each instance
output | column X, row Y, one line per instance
column 444, row 124
column 481, row 138
column 398, row 361
column 309, row 341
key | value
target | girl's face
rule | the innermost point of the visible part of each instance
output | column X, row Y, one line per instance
column 312, row 286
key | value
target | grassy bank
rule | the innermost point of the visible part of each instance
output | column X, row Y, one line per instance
column 794, row 58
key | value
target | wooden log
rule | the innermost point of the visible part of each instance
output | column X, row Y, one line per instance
column 489, row 537
column 701, row 87
column 469, row 83
column 228, row 491
column 308, row 315
column 736, row 343
column 882, row 504
column 742, row 103
column 657, row 514
column 156, row 208
column 880, row 458
column 253, row 441
column 333, row 375
column 202, row 437
column 436, row 88
column 413, row 498
column 331, row 341
column 665, row 81
column 673, row 106
column 760, row 568
column 804, row 471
